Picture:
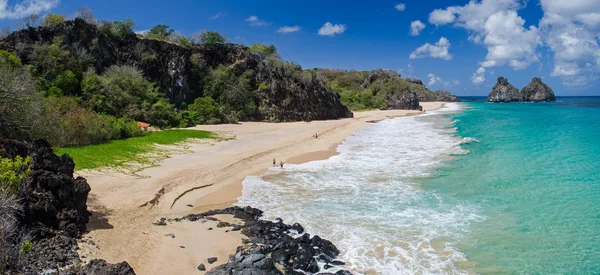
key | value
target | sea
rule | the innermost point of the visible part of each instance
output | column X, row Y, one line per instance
column 472, row 188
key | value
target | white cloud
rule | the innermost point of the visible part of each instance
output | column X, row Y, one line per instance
column 496, row 25
column 25, row 8
column 288, row 29
column 219, row 14
column 479, row 76
column 142, row 32
column 438, row 50
column 416, row 27
column 571, row 31
column 433, row 79
column 255, row 22
column 332, row 29
column 400, row 7
column 456, row 82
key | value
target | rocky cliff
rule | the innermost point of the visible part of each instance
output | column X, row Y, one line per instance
column 504, row 92
column 181, row 71
column 537, row 91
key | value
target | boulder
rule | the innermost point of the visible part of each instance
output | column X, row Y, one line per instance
column 504, row 92
column 537, row 91
column 101, row 267
column 404, row 101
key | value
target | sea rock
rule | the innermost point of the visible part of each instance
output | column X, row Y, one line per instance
column 537, row 91
column 405, row 101
column 504, row 92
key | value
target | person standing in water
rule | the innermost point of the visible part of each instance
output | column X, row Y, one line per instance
column 274, row 162
column 281, row 164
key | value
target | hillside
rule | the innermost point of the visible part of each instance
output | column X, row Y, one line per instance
column 105, row 70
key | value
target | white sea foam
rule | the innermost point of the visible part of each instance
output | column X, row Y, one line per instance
column 367, row 199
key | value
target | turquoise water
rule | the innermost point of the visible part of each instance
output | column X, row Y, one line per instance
column 471, row 188
column 535, row 176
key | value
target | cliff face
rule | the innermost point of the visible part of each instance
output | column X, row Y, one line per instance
column 504, row 92
column 537, row 91
column 181, row 71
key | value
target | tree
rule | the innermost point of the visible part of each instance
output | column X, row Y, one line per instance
column 265, row 52
column 30, row 21
column 85, row 14
column 211, row 38
column 53, row 20
column 123, row 28
column 161, row 32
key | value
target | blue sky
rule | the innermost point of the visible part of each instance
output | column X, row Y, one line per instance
column 463, row 47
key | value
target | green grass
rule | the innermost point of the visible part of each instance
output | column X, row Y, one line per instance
column 118, row 153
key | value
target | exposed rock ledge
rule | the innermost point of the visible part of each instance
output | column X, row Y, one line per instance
column 537, row 91
column 505, row 92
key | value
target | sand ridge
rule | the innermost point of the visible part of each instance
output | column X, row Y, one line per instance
column 210, row 177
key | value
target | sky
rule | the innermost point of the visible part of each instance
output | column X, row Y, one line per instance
column 460, row 46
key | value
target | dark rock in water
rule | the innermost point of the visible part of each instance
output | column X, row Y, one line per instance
column 537, row 91
column 101, row 267
column 201, row 267
column 505, row 92
column 298, row 228
column 405, row 101
column 212, row 260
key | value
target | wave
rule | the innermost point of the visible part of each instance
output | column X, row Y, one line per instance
column 470, row 140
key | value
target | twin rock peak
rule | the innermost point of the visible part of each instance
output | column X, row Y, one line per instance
column 535, row 91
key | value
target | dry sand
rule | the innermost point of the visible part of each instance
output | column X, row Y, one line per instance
column 210, row 177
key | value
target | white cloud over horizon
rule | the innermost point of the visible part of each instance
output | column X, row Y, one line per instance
column 288, row 29
column 416, row 27
column 329, row 29
column 438, row 50
column 25, row 8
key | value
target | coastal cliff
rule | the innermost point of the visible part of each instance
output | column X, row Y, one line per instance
column 503, row 91
column 537, row 91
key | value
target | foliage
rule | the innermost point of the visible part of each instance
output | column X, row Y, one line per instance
column 118, row 153
column 121, row 28
column 264, row 51
column 13, row 173
column 67, row 82
column 207, row 109
column 211, row 38
column 53, row 20
column 160, row 32
column 26, row 246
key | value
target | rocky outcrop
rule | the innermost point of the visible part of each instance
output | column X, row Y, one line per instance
column 378, row 74
column 272, row 247
column 181, row 71
column 445, row 96
column 537, row 91
column 504, row 92
column 414, row 81
column 101, row 267
column 405, row 101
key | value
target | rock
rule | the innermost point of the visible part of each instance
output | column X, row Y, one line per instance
column 181, row 246
column 223, row 224
column 504, row 92
column 537, row 91
column 210, row 228
column 405, row 101
column 378, row 74
column 211, row 260
column 445, row 96
column 298, row 228
column 201, row 267
column 189, row 205
column 101, row 267
column 414, row 81
column 170, row 235
column 161, row 222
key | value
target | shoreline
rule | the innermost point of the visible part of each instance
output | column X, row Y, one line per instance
column 124, row 206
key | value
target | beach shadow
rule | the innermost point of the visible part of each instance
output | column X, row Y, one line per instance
column 99, row 219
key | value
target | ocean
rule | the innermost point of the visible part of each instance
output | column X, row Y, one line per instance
column 473, row 188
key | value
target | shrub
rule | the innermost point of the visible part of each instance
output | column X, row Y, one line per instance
column 121, row 28
column 26, row 246
column 67, row 82
column 161, row 32
column 53, row 20
column 12, row 174
column 211, row 38
column 206, row 108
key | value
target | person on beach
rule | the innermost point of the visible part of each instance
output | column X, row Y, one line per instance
column 281, row 164
column 274, row 162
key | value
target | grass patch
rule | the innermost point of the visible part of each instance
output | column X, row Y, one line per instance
column 118, row 153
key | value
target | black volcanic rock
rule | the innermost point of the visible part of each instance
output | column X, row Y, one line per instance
column 504, row 92
column 405, row 101
column 537, row 91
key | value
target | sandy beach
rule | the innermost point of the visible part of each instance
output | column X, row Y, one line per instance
column 210, row 176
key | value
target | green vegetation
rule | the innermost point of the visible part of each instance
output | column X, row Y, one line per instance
column 117, row 153
column 13, row 173
column 211, row 38
column 53, row 20
column 26, row 246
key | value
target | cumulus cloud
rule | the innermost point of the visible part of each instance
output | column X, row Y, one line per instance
column 288, row 29
column 255, row 21
column 438, row 50
column 571, row 31
column 25, row 8
column 416, row 27
column 433, row 79
column 400, row 7
column 329, row 29
column 219, row 14
column 479, row 76
column 496, row 25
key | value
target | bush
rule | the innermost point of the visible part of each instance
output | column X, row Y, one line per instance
column 160, row 32
column 211, row 38
column 53, row 20
column 13, row 173
column 67, row 82
column 207, row 109
column 26, row 246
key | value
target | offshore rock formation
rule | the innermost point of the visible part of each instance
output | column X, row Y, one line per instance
column 405, row 101
column 504, row 92
column 54, row 212
column 180, row 71
column 537, row 91
column 272, row 247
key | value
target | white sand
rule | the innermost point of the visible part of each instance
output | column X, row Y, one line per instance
column 211, row 177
